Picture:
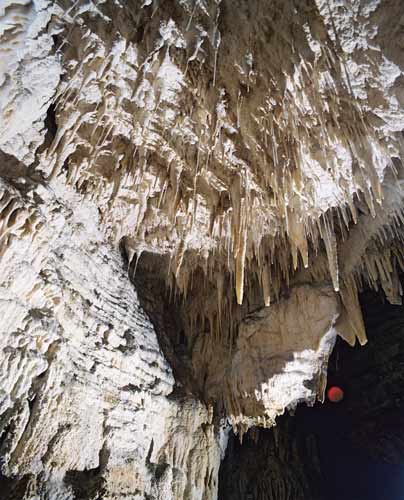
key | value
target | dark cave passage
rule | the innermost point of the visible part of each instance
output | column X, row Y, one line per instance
column 352, row 450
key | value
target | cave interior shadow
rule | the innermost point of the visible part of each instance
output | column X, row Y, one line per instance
column 352, row 450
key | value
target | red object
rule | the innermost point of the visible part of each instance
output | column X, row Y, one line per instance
column 335, row 394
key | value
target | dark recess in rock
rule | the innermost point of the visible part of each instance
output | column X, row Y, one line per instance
column 350, row 450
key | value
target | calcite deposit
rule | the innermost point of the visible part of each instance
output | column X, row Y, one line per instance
column 192, row 195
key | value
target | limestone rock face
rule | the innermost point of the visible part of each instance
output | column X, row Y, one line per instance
column 282, row 352
column 245, row 159
column 279, row 359
column 84, row 384
column 29, row 75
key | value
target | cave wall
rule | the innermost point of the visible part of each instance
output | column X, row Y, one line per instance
column 88, row 407
column 254, row 152
column 350, row 449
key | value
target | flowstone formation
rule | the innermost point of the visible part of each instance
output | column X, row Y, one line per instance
column 192, row 194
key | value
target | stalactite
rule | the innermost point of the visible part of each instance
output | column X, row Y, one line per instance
column 253, row 167
column 350, row 325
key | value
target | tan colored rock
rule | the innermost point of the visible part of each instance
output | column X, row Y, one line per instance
column 84, row 386
column 279, row 359
column 257, row 149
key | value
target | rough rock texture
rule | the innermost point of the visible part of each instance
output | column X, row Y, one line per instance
column 277, row 361
column 254, row 151
column 353, row 449
column 84, row 384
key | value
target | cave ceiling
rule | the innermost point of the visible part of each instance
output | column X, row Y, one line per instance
column 245, row 157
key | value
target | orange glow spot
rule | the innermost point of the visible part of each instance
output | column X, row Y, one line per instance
column 335, row 394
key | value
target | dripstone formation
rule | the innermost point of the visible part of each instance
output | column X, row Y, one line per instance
column 193, row 194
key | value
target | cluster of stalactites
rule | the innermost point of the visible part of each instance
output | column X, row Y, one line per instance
column 269, row 274
column 233, row 221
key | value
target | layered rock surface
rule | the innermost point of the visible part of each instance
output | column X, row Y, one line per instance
column 84, row 386
column 254, row 151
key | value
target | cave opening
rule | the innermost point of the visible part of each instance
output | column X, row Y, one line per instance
column 351, row 450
